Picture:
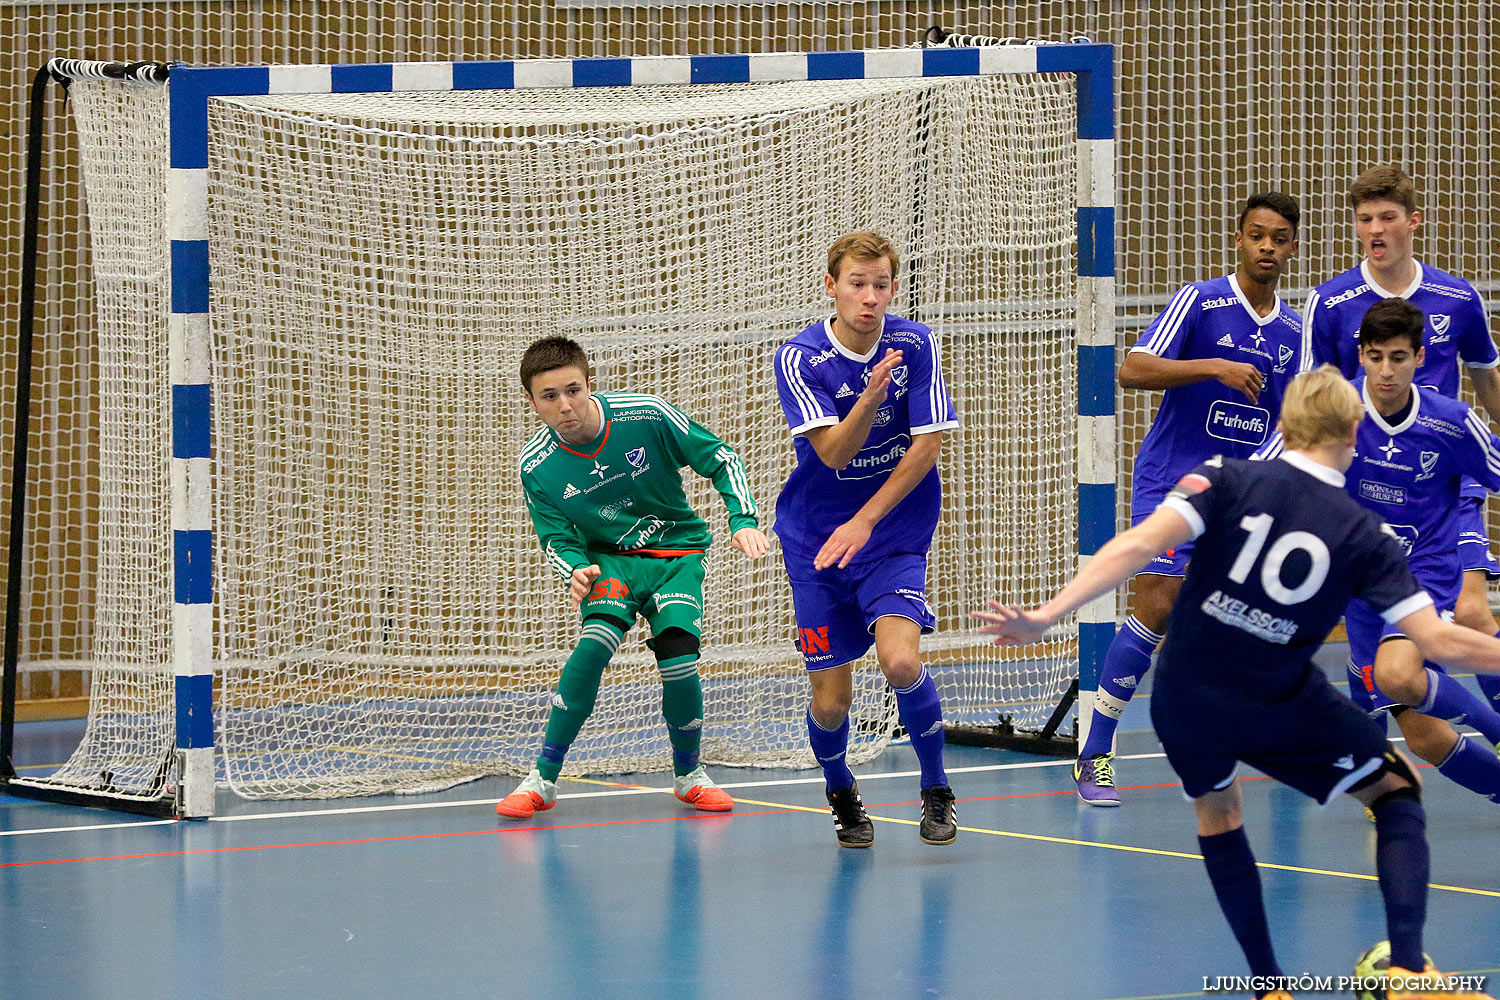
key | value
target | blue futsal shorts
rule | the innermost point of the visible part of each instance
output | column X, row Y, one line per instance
column 836, row 608
column 1317, row 741
column 1172, row 562
column 1367, row 630
column 1474, row 538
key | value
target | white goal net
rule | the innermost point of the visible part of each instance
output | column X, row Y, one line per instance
column 384, row 618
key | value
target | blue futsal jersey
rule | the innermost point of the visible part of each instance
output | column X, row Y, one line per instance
column 1456, row 327
column 1212, row 319
column 818, row 380
column 1410, row 474
column 1280, row 550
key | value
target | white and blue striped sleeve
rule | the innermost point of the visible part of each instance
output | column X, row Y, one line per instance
column 806, row 403
column 1475, row 345
column 1481, row 452
column 1305, row 362
column 930, row 406
column 1168, row 331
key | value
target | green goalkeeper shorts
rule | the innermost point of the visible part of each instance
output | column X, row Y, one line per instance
column 666, row 591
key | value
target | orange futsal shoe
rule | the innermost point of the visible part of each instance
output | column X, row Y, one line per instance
column 1431, row 985
column 698, row 790
column 533, row 795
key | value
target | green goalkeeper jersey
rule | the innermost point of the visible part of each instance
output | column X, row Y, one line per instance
column 622, row 492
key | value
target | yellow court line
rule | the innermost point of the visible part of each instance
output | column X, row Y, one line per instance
column 1130, row 849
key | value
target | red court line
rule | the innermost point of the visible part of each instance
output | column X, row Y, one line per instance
column 383, row 840
column 562, row 826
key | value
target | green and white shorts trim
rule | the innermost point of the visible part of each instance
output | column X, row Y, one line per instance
column 666, row 591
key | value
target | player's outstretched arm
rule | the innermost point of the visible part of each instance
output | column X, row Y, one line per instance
column 1449, row 644
column 837, row 444
column 1143, row 370
column 751, row 541
column 1120, row 558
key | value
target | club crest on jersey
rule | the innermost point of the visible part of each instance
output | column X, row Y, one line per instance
column 1283, row 355
column 1440, row 324
column 899, row 375
column 636, row 456
column 1429, row 463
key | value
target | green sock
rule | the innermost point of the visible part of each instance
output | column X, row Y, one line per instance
column 682, row 707
column 576, row 690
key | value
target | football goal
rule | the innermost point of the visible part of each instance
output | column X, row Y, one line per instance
column 294, row 436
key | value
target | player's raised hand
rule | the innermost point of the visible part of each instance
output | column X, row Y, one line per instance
column 751, row 541
column 1242, row 377
column 1011, row 625
column 880, row 377
column 583, row 579
column 845, row 542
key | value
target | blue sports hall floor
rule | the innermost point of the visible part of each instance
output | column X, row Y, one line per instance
column 620, row 891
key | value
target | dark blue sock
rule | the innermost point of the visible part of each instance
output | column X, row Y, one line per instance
column 1124, row 667
column 1236, row 882
column 831, row 746
column 922, row 714
column 1447, row 698
column 1490, row 685
column 1474, row 767
column 1401, row 861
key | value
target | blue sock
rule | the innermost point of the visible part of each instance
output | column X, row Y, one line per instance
column 922, row 715
column 831, row 746
column 1236, row 882
column 1447, row 698
column 1490, row 685
column 1402, row 862
column 1474, row 767
column 1125, row 665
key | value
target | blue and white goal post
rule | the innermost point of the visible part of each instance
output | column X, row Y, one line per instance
column 192, row 88
column 169, row 749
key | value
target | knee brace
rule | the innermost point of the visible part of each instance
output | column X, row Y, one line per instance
column 676, row 652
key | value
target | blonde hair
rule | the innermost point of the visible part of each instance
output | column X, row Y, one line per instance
column 861, row 246
column 1320, row 408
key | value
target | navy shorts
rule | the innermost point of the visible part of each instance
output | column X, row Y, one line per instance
column 836, row 608
column 1317, row 741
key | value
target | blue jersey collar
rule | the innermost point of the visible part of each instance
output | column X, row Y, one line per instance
column 1379, row 421
column 838, row 345
column 1239, row 293
column 1408, row 292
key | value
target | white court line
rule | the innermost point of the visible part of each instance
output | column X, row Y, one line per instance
column 603, row 793
column 96, row 826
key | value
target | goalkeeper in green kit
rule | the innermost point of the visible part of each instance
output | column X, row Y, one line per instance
column 604, row 491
